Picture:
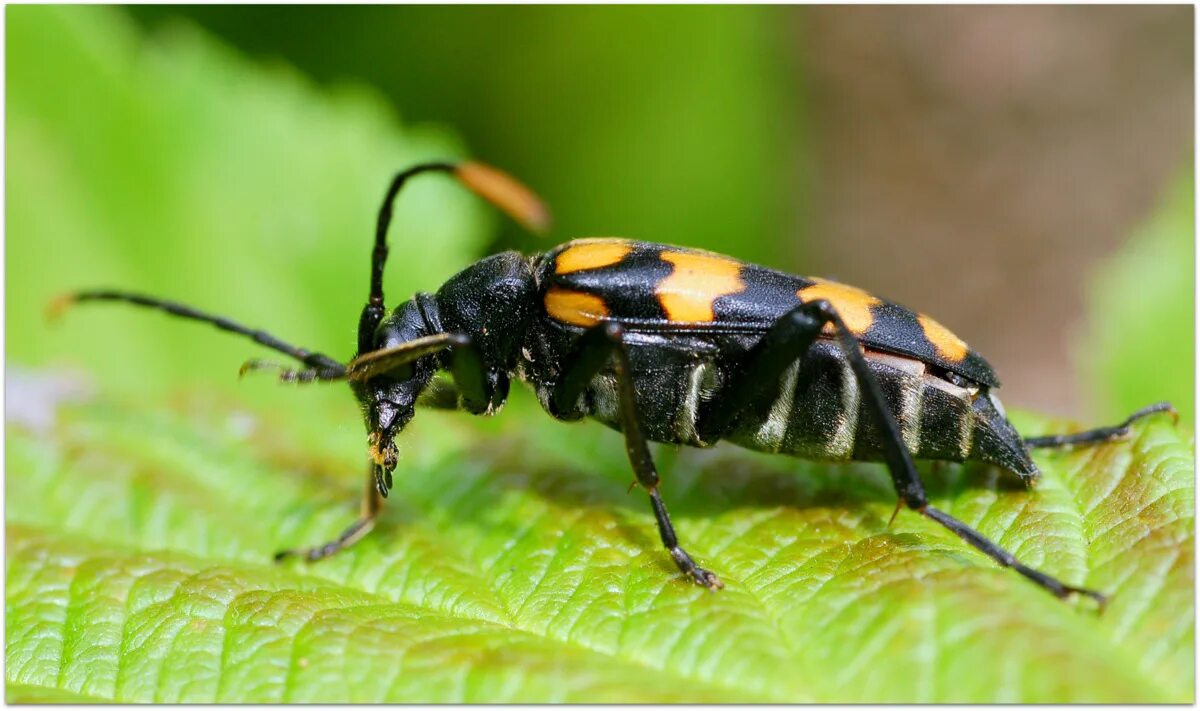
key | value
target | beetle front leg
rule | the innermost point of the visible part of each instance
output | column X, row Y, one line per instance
column 599, row 344
column 293, row 375
column 372, row 503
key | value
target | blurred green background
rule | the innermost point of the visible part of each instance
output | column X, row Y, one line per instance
column 1002, row 168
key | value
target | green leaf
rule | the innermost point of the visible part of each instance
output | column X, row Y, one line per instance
column 1139, row 346
column 511, row 566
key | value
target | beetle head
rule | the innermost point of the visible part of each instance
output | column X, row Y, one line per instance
column 388, row 400
column 388, row 404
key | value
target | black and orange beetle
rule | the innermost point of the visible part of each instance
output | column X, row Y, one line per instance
column 671, row 345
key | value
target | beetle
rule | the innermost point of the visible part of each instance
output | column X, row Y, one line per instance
column 666, row 344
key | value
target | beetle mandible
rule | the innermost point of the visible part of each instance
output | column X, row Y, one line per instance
column 666, row 344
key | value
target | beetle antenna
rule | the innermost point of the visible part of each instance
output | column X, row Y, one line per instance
column 495, row 186
column 310, row 358
column 507, row 194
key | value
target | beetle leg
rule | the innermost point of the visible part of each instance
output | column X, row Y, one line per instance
column 596, row 347
column 477, row 394
column 1100, row 435
column 372, row 502
column 789, row 337
column 293, row 375
column 787, row 340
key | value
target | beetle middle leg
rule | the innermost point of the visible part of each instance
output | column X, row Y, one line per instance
column 788, row 339
column 597, row 346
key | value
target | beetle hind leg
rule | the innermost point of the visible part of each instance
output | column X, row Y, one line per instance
column 1008, row 560
column 788, row 339
column 1100, row 435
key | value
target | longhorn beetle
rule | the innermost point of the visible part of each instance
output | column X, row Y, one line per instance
column 666, row 344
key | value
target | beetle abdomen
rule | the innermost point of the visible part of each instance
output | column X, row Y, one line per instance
column 818, row 411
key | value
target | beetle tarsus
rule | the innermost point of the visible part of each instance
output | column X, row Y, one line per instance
column 1099, row 598
column 700, row 576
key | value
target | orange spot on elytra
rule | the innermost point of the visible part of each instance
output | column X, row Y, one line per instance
column 591, row 254
column 577, row 308
column 948, row 345
column 851, row 303
column 699, row 279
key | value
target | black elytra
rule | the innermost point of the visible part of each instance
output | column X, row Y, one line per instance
column 666, row 344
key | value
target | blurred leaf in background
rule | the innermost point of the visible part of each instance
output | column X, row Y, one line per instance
column 670, row 124
column 1139, row 346
column 167, row 165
